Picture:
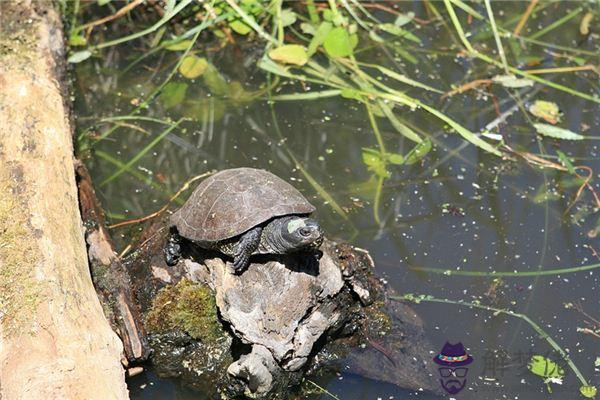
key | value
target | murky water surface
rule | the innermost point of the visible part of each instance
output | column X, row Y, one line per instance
column 458, row 208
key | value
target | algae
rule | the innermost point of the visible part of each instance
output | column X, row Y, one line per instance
column 188, row 307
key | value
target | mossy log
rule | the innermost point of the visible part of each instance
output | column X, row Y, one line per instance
column 55, row 342
column 259, row 333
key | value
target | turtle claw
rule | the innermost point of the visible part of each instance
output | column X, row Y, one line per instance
column 240, row 263
column 172, row 252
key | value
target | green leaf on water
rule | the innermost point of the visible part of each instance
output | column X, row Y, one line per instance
column 182, row 45
column 566, row 161
column 192, row 67
column 339, row 43
column 319, row 37
column 556, row 132
column 290, row 54
column 397, row 31
column 546, row 110
column 418, row 152
column 545, row 367
column 79, row 56
column 588, row 391
column 173, row 93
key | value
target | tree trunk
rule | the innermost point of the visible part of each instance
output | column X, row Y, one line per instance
column 55, row 342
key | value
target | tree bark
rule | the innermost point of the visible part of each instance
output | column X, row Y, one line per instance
column 55, row 342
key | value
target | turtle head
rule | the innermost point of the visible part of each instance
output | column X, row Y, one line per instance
column 302, row 233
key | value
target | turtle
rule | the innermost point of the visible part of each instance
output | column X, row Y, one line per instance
column 241, row 212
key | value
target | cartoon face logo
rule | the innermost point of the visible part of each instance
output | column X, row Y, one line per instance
column 452, row 361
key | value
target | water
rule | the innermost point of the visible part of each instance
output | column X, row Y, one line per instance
column 459, row 208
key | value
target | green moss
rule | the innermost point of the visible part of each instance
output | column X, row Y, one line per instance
column 19, row 292
column 186, row 306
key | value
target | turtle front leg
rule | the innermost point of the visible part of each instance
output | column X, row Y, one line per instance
column 244, row 248
column 173, row 250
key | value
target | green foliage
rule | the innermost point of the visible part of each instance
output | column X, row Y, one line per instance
column 192, row 67
column 339, row 43
column 290, row 54
column 556, row 132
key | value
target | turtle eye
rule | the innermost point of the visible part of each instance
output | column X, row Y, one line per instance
column 305, row 231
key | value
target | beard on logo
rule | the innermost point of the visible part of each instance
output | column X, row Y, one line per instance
column 453, row 386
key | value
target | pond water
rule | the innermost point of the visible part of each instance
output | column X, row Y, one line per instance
column 458, row 208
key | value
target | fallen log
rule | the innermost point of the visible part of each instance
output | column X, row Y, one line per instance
column 55, row 342
column 110, row 278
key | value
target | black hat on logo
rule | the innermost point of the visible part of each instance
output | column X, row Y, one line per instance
column 453, row 355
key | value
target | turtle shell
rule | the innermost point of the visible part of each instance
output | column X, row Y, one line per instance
column 233, row 201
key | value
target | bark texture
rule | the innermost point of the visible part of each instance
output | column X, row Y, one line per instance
column 55, row 342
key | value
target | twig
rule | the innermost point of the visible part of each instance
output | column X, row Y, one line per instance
column 163, row 208
column 121, row 12
column 525, row 17
column 467, row 86
column 562, row 69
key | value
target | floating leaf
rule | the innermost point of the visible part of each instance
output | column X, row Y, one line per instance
column 290, row 54
column 79, row 56
column 182, row 45
column 288, row 17
column 173, row 93
column 397, row 31
column 319, row 37
column 192, row 67
column 556, row 132
column 418, row 152
column 588, row 391
column 339, row 43
column 546, row 110
column 511, row 81
column 545, row 367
